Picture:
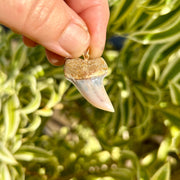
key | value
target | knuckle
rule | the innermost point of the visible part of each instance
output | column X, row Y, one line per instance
column 38, row 15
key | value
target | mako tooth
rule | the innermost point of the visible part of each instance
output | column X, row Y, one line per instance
column 87, row 75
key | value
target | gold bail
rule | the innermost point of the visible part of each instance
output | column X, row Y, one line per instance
column 86, row 54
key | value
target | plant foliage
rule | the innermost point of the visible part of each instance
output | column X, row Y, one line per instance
column 48, row 131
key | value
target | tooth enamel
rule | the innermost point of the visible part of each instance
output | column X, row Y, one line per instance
column 93, row 91
column 87, row 76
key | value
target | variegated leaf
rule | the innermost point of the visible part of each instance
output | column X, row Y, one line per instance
column 11, row 116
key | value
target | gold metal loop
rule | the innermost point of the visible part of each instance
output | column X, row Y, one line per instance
column 86, row 54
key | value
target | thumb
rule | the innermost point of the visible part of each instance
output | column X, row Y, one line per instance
column 52, row 24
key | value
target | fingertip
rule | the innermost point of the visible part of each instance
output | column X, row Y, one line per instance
column 95, row 14
column 96, row 52
column 75, row 38
column 55, row 59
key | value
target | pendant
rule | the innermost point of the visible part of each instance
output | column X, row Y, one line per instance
column 87, row 75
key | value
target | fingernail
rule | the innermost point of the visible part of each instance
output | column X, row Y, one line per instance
column 54, row 58
column 75, row 39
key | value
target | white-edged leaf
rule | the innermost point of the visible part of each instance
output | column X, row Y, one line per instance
column 171, row 69
column 18, row 60
column 32, row 153
column 172, row 116
column 44, row 112
column 0, row 105
column 11, row 116
column 37, row 71
column 17, row 172
column 4, row 172
column 175, row 93
column 17, row 142
column 56, row 97
column 19, row 57
column 163, row 173
column 32, row 125
column 116, row 9
column 163, row 149
column 3, row 77
column 33, row 105
column 149, row 37
column 147, row 59
column 162, row 21
column 6, row 156
column 26, row 79
column 126, row 9
column 64, row 85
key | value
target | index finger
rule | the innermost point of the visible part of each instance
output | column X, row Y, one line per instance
column 95, row 14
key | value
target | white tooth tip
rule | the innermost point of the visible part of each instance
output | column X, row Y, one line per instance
column 94, row 92
column 105, row 106
column 108, row 107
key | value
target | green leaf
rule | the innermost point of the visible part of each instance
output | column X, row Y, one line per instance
column 36, row 55
column 116, row 116
column 127, row 154
column 32, row 153
column 6, row 156
column 11, row 116
column 121, row 174
column 173, row 116
column 72, row 94
column 163, row 173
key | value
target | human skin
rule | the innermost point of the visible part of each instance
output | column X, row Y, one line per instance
column 65, row 28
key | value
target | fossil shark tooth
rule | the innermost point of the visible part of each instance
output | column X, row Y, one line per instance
column 87, row 75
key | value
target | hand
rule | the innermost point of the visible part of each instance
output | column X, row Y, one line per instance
column 65, row 28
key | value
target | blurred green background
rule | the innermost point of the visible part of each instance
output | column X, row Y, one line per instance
column 48, row 131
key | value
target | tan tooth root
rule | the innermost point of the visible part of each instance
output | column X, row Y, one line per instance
column 85, row 69
column 87, row 76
